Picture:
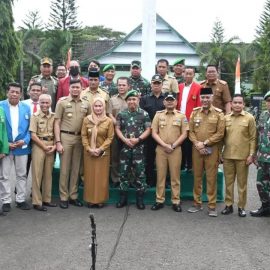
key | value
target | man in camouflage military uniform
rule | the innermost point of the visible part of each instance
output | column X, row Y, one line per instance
column 206, row 130
column 108, row 84
column 179, row 69
column 69, row 114
column 137, row 82
column 48, row 82
column 132, row 127
column 221, row 93
column 169, row 83
column 263, row 161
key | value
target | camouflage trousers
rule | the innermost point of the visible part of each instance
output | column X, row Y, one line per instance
column 263, row 181
column 132, row 162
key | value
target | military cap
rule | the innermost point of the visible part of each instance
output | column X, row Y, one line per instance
column 93, row 73
column 267, row 95
column 108, row 67
column 206, row 91
column 46, row 60
column 179, row 61
column 136, row 63
column 171, row 96
column 156, row 78
column 132, row 93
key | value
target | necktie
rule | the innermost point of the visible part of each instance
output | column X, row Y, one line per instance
column 35, row 107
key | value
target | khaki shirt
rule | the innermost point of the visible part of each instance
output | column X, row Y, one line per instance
column 51, row 83
column 89, row 95
column 71, row 113
column 42, row 124
column 240, row 136
column 169, row 84
column 169, row 125
column 208, row 126
column 221, row 93
column 116, row 105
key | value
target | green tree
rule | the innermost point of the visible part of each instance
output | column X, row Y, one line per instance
column 221, row 52
column 9, row 46
column 31, row 36
column 63, row 15
column 100, row 32
column 262, row 43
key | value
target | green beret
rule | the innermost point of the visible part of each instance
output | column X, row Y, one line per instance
column 267, row 95
column 179, row 61
column 108, row 67
column 132, row 93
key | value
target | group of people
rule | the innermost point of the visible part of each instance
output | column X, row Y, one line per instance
column 131, row 131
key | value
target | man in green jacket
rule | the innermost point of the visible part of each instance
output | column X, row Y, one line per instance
column 4, row 147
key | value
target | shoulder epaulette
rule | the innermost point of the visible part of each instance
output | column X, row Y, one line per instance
column 197, row 108
column 35, row 76
column 170, row 76
column 36, row 113
column 63, row 98
column 160, row 111
column 218, row 110
column 222, row 82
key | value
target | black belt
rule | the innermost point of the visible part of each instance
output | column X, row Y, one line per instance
column 71, row 132
column 46, row 138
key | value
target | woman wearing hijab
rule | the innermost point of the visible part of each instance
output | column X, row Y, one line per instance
column 97, row 134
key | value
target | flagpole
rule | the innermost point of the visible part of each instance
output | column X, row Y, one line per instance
column 237, row 89
column 148, row 54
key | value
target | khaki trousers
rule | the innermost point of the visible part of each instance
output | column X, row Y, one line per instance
column 209, row 164
column 42, row 167
column 235, row 169
column 70, row 166
column 163, row 160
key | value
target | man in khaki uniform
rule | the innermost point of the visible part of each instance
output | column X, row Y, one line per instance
column 206, row 130
column 240, row 146
column 117, row 104
column 70, row 112
column 169, row 83
column 93, row 91
column 43, row 148
column 169, row 129
column 48, row 82
column 221, row 93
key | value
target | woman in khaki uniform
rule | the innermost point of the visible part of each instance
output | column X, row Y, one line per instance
column 97, row 134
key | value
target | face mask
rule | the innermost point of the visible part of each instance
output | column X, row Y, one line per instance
column 74, row 71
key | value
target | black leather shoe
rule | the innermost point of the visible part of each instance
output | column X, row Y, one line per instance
column 63, row 204
column 23, row 205
column 6, row 207
column 227, row 210
column 263, row 211
column 76, row 202
column 122, row 200
column 157, row 206
column 40, row 208
column 241, row 212
column 177, row 207
column 49, row 204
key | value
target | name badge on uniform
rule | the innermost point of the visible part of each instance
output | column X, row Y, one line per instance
column 197, row 122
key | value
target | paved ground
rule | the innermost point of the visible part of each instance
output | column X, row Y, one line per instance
column 59, row 239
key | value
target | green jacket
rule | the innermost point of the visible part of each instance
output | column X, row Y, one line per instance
column 4, row 146
column 263, row 127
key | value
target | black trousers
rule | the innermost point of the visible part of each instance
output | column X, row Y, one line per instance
column 150, row 148
column 186, row 154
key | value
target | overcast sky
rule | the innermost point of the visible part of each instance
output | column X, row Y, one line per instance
column 193, row 19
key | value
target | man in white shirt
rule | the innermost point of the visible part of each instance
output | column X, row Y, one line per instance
column 35, row 90
column 17, row 117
